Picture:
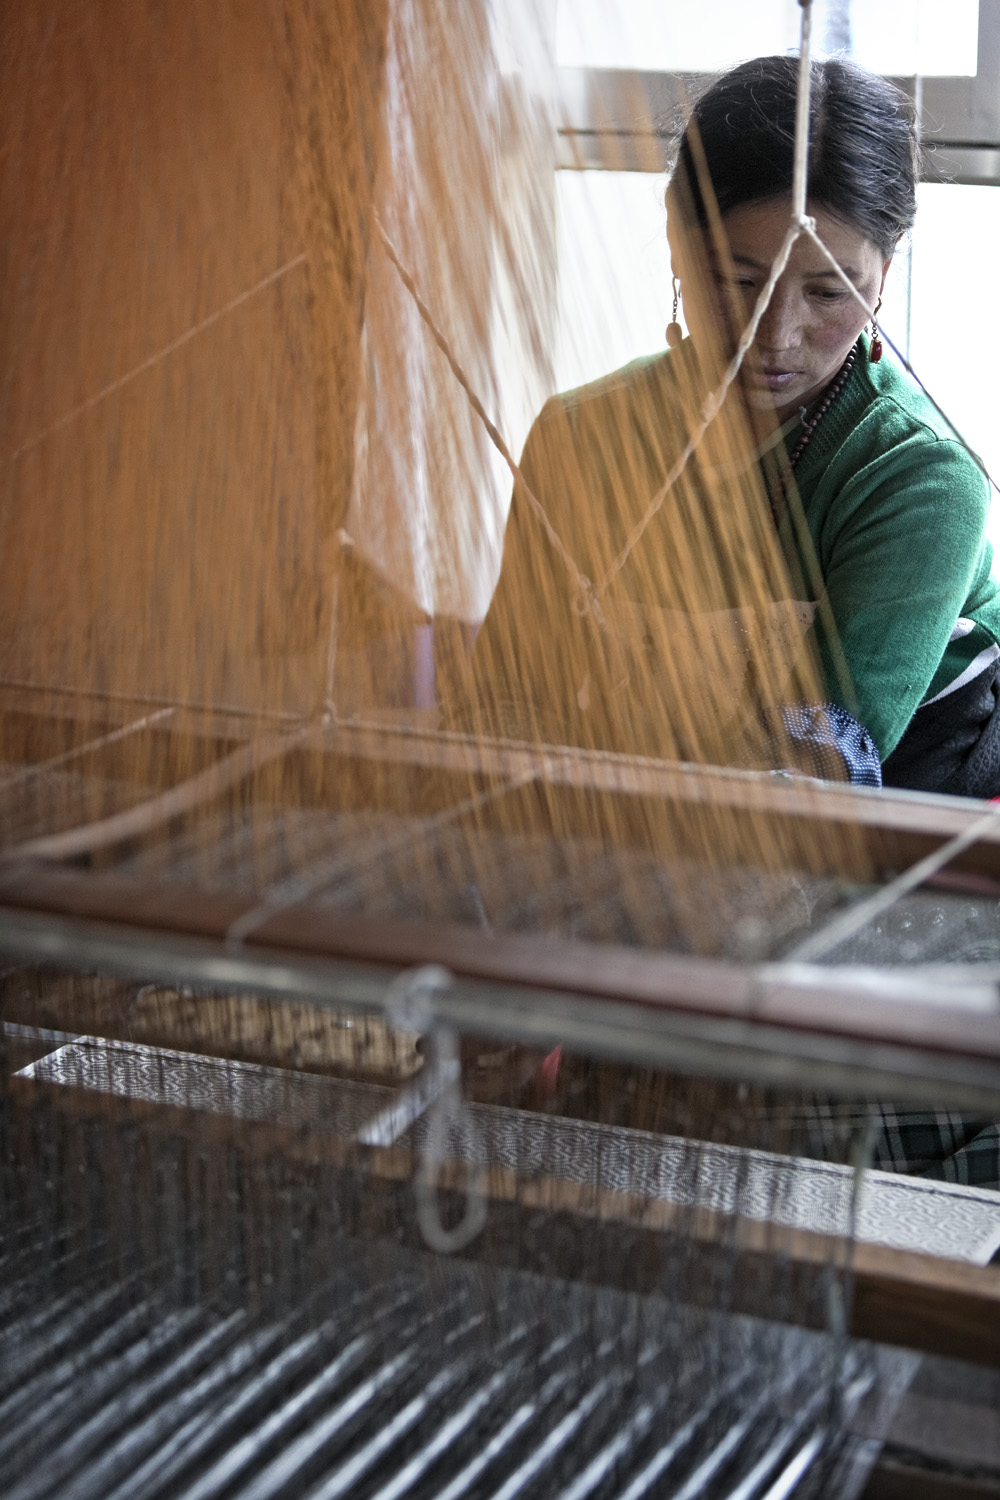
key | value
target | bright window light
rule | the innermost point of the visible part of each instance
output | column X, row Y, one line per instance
column 902, row 37
column 906, row 37
column 661, row 36
column 614, row 272
column 954, row 321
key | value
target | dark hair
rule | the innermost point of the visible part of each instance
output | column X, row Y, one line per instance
column 862, row 144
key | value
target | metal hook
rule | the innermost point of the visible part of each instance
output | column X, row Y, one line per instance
column 437, row 1091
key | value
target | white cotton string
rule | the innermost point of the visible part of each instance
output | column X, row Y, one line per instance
column 187, row 796
column 800, row 165
column 90, row 747
column 850, row 922
column 809, row 228
column 329, row 869
column 977, row 460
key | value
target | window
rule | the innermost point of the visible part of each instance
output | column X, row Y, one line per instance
column 614, row 271
column 954, row 315
column 902, row 37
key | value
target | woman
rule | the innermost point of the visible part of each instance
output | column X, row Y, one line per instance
column 880, row 511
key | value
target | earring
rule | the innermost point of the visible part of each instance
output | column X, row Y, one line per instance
column 875, row 347
column 674, row 332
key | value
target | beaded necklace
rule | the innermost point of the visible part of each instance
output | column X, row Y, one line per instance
column 832, row 393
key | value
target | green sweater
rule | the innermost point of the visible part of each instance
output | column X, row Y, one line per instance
column 896, row 511
column 891, row 530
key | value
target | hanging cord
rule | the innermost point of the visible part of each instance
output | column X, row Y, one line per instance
column 160, row 355
column 939, row 409
column 800, row 224
column 437, row 1092
column 843, row 1395
column 89, row 747
column 586, row 599
column 800, row 161
column 809, row 228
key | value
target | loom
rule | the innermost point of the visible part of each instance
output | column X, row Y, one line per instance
column 392, row 1107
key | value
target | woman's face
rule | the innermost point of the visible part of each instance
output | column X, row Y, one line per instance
column 812, row 320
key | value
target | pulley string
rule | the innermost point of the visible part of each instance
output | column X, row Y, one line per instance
column 89, row 747
column 587, row 599
column 325, row 872
column 800, row 161
column 799, row 224
column 847, row 924
column 710, row 410
column 809, row 228
column 584, row 587
column 161, row 354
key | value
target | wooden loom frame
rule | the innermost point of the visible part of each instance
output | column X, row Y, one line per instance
column 927, row 1032
column 846, row 1031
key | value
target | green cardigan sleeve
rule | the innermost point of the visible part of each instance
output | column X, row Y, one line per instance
column 901, row 546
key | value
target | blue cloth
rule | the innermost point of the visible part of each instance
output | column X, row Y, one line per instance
column 819, row 731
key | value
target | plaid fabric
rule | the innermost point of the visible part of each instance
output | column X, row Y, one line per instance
column 924, row 1143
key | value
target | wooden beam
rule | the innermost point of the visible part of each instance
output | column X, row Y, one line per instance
column 821, row 1002
column 890, row 829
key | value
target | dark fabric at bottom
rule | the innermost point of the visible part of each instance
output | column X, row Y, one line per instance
column 952, row 745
